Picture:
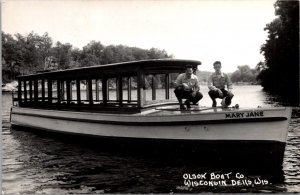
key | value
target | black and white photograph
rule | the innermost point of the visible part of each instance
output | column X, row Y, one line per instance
column 150, row 97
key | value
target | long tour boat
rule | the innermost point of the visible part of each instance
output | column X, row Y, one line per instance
column 110, row 102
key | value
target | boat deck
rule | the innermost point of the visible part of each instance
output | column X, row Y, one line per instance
column 174, row 110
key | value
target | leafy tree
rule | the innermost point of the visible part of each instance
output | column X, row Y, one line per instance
column 122, row 54
column 119, row 53
column 37, row 49
column 92, row 54
column 260, row 66
column 28, row 55
column 244, row 74
column 76, row 55
column 11, row 58
column 33, row 51
column 108, row 54
column 62, row 54
column 280, row 71
column 139, row 54
column 155, row 53
column 236, row 76
column 44, row 44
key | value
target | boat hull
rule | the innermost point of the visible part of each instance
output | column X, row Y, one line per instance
column 208, row 136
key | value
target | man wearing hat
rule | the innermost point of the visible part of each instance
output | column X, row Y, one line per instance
column 216, row 86
column 187, row 87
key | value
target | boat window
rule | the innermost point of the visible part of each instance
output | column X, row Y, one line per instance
column 73, row 96
column 46, row 89
column 89, row 89
column 54, row 91
column 27, row 90
column 98, row 91
column 39, row 90
column 30, row 91
column 93, row 82
column 129, row 89
column 85, row 94
column 112, row 89
column 157, row 88
column 83, row 89
column 22, row 90
column 173, row 77
column 50, row 91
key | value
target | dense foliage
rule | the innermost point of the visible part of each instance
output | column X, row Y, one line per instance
column 280, row 72
column 244, row 74
column 27, row 54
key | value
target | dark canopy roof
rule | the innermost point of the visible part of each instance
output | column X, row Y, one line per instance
column 148, row 66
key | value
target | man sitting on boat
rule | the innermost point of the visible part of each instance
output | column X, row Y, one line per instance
column 187, row 87
column 216, row 85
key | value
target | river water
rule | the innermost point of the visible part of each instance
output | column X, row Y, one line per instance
column 34, row 163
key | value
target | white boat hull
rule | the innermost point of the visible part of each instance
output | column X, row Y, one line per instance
column 191, row 126
column 257, row 132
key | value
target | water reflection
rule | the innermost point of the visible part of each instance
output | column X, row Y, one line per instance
column 53, row 164
column 278, row 100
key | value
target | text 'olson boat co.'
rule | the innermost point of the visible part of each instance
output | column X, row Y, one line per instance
column 119, row 102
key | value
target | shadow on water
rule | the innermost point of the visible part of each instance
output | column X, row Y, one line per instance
column 279, row 100
column 102, row 168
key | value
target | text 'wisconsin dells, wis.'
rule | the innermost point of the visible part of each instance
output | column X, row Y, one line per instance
column 225, row 179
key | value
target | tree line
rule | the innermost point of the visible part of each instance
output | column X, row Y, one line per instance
column 279, row 74
column 25, row 54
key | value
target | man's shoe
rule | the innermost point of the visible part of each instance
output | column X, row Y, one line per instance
column 214, row 103
column 188, row 104
column 228, row 101
column 182, row 107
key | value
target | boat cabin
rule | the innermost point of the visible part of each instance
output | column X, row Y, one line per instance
column 119, row 87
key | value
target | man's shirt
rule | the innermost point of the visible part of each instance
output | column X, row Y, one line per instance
column 219, row 81
column 192, row 82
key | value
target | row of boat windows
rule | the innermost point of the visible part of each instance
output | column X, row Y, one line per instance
column 79, row 91
column 97, row 91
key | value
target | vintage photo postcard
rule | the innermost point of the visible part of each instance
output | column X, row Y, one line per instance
column 150, row 97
